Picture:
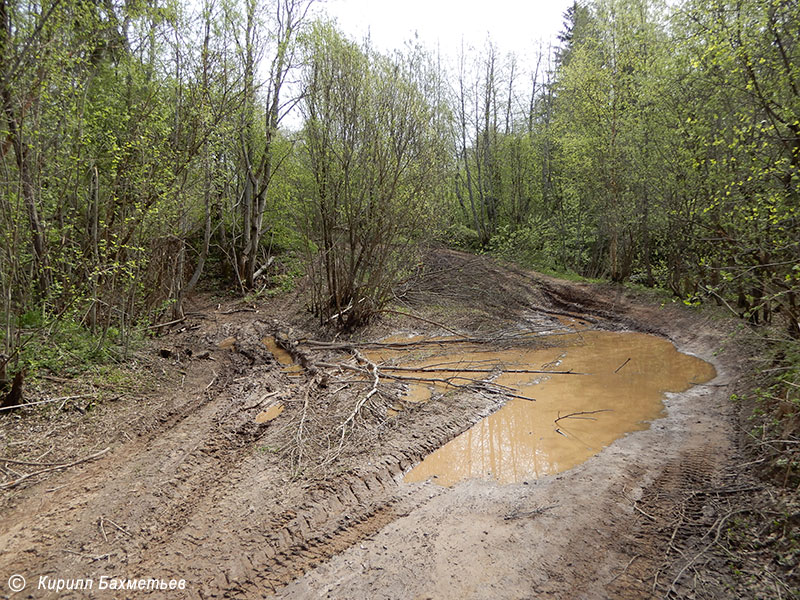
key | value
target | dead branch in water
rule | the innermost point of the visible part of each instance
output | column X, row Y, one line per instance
column 474, row 370
column 349, row 346
column 582, row 412
column 473, row 384
column 627, row 360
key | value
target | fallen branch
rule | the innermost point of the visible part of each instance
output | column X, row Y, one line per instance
column 263, row 268
column 238, row 310
column 63, row 398
column 474, row 370
column 89, row 556
column 343, row 312
column 487, row 386
column 19, row 480
column 167, row 324
column 28, row 463
column 627, row 360
column 582, row 412
column 122, row 529
column 345, row 366
column 299, row 435
column 389, row 345
column 488, row 389
column 260, row 402
column 213, row 380
column 625, row 570
column 718, row 525
column 373, row 368
column 423, row 319
column 636, row 508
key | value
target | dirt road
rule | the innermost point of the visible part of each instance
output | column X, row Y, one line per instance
column 311, row 504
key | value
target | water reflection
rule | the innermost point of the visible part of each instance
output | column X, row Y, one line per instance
column 527, row 439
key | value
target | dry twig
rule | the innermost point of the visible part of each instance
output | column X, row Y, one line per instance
column 57, row 467
column 582, row 412
column 627, row 360
column 122, row 529
column 474, row 370
column 49, row 401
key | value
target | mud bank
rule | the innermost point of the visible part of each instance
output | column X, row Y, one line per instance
column 311, row 502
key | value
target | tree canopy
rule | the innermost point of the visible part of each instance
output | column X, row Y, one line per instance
column 145, row 151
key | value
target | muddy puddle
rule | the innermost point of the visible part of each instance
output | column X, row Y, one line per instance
column 273, row 412
column 283, row 357
column 608, row 384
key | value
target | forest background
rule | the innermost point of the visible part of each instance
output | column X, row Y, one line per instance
column 151, row 147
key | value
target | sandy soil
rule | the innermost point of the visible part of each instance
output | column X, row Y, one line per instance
column 192, row 488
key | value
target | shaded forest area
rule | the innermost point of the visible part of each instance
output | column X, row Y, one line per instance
column 149, row 148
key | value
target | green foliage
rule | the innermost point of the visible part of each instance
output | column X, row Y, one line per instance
column 142, row 142
column 664, row 149
column 461, row 236
column 371, row 150
column 775, row 411
column 67, row 348
column 523, row 246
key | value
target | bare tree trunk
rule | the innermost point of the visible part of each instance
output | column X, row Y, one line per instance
column 289, row 16
column 464, row 150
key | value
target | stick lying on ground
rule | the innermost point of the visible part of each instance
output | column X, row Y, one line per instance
column 48, row 401
column 56, row 467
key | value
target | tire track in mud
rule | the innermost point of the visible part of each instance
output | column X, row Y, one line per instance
column 677, row 498
column 206, row 470
column 335, row 514
column 205, row 473
column 175, row 462
column 357, row 509
column 208, row 480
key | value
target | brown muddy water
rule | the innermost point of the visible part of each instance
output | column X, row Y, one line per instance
column 574, row 416
column 614, row 384
column 282, row 356
column 273, row 412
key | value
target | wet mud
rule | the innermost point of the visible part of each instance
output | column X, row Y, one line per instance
column 235, row 474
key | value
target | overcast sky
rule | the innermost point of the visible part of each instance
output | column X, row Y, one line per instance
column 514, row 25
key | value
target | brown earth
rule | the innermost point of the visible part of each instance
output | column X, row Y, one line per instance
column 312, row 504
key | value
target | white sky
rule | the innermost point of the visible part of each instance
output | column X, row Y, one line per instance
column 514, row 26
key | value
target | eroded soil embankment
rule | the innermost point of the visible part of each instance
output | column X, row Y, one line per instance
column 196, row 489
